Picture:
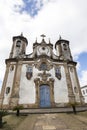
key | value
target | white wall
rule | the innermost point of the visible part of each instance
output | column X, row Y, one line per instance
column 28, row 91
column 84, row 93
column 9, row 84
column 60, row 87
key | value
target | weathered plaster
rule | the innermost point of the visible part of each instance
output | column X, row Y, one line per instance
column 9, row 84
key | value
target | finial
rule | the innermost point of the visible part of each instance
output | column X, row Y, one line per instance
column 49, row 41
column 36, row 40
column 43, row 41
column 43, row 36
column 60, row 37
column 22, row 34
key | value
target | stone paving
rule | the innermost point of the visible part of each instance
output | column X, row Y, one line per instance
column 49, row 122
column 59, row 121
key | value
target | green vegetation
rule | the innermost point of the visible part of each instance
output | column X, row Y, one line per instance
column 17, row 109
column 2, row 113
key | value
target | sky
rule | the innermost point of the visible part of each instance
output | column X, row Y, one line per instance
column 67, row 18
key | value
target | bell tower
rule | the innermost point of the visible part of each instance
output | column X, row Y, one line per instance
column 63, row 49
column 19, row 46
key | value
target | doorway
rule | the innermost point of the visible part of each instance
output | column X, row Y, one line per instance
column 45, row 96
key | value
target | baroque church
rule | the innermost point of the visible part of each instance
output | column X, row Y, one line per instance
column 41, row 79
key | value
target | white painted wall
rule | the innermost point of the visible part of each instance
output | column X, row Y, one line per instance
column 9, row 84
column 60, row 87
column 28, row 91
column 27, row 94
column 84, row 93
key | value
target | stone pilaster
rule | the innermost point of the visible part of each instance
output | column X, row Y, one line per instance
column 69, row 86
column 37, row 83
column 16, row 83
column 4, row 85
column 51, row 83
column 79, row 89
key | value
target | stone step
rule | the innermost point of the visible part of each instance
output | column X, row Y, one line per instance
column 50, row 110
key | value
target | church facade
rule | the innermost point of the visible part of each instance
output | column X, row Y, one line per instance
column 41, row 79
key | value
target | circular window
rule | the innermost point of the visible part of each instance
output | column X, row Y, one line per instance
column 43, row 48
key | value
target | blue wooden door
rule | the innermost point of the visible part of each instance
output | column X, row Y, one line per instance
column 44, row 96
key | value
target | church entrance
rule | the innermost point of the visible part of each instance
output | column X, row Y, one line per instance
column 45, row 96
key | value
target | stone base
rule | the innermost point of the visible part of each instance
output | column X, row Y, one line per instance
column 14, row 102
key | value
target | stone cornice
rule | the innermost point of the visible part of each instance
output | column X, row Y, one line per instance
column 60, row 41
column 40, row 57
column 72, row 62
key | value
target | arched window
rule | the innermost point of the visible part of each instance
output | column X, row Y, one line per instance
column 75, row 89
column 43, row 66
column 23, row 48
column 65, row 46
column 58, row 72
column 29, row 72
column 18, row 43
column 7, row 90
column 84, row 92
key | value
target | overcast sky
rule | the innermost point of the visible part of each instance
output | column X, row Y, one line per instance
column 67, row 18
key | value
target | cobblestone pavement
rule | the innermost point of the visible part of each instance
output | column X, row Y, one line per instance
column 49, row 122
column 62, row 121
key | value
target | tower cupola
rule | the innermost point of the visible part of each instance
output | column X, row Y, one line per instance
column 63, row 49
column 19, row 46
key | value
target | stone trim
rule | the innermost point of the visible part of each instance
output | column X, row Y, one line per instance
column 4, row 85
column 50, row 83
column 79, row 89
column 15, row 88
column 69, row 85
column 49, row 65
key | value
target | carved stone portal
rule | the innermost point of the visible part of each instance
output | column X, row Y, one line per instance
column 43, row 64
column 44, row 75
column 50, row 83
